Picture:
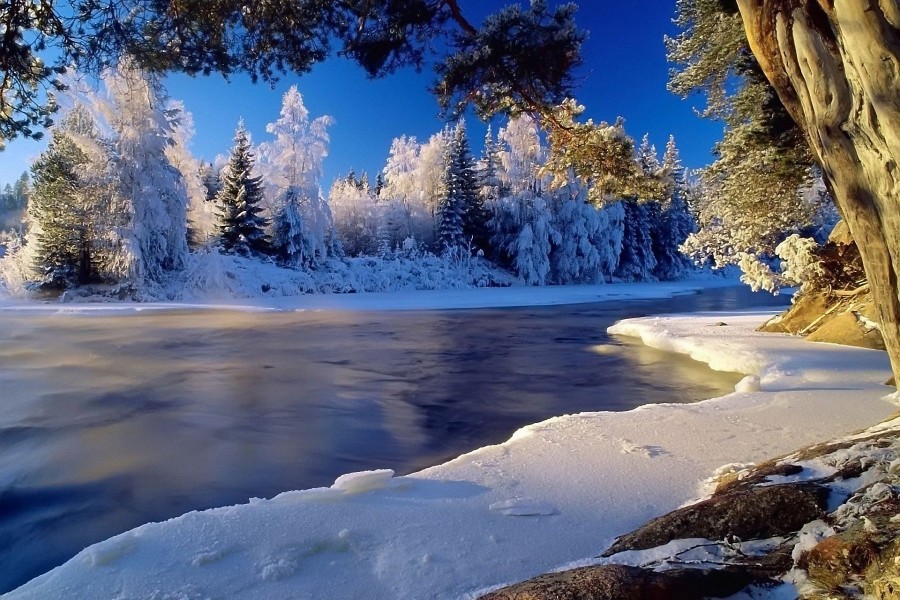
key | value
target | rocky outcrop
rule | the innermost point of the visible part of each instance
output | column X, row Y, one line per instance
column 758, row 512
column 851, row 551
column 620, row 582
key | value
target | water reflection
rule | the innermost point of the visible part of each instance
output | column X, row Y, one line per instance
column 110, row 421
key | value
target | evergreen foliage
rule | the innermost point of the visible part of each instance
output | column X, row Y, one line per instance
column 463, row 173
column 242, row 228
column 637, row 260
column 61, row 257
column 451, row 214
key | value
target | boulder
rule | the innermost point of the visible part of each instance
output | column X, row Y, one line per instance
column 620, row 582
column 754, row 513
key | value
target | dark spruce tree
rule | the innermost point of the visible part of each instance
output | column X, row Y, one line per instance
column 62, row 257
column 451, row 240
column 242, row 228
column 464, row 177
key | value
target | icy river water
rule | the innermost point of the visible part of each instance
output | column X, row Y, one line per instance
column 108, row 421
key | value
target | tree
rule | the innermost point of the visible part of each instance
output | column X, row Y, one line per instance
column 451, row 237
column 674, row 222
column 832, row 68
column 517, row 56
column 57, row 212
column 302, row 224
column 462, row 172
column 242, row 229
column 355, row 217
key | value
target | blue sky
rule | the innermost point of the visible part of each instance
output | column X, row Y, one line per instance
column 624, row 74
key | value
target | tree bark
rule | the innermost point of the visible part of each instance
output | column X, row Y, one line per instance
column 835, row 64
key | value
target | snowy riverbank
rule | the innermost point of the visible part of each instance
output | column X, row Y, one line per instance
column 557, row 492
column 438, row 299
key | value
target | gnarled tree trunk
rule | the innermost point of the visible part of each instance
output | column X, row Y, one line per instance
column 835, row 64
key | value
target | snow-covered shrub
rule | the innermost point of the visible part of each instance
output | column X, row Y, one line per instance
column 800, row 262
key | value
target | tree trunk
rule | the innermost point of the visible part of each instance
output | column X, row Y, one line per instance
column 835, row 64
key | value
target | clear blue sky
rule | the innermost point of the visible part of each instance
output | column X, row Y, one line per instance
column 624, row 74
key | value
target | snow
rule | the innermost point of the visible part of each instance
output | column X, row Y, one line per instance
column 412, row 299
column 556, row 493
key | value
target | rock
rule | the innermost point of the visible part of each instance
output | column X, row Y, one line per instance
column 759, row 474
column 866, row 554
column 754, row 513
column 620, row 582
column 849, row 329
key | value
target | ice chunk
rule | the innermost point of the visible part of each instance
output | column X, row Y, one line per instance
column 363, row 481
column 747, row 385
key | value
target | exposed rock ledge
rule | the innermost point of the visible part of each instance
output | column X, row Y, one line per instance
column 838, row 308
column 825, row 519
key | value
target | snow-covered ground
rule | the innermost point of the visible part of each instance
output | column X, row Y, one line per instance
column 438, row 299
column 555, row 493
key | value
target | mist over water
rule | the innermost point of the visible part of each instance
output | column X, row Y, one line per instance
column 108, row 421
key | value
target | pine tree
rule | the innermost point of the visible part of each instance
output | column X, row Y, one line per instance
column 675, row 222
column 61, row 253
column 451, row 210
column 241, row 225
column 636, row 262
column 152, row 187
column 475, row 216
column 289, row 244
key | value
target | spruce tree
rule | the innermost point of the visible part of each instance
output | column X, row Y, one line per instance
column 56, row 214
column 451, row 211
column 463, row 183
column 241, row 225
column 675, row 222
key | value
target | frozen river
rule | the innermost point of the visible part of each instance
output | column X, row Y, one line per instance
column 109, row 421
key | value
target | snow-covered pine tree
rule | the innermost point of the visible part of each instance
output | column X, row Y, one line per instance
column 589, row 238
column 675, row 222
column 289, row 240
column 155, row 189
column 451, row 209
column 636, row 262
column 212, row 181
column 242, row 228
column 463, row 169
column 490, row 185
column 57, row 241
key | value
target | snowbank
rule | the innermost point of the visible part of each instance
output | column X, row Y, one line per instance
column 556, row 492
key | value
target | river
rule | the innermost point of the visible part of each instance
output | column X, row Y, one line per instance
column 108, row 421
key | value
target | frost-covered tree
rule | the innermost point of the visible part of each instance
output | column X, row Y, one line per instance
column 674, row 222
column 292, row 165
column 242, row 228
column 637, row 260
column 201, row 214
column 451, row 213
column 491, row 187
column 521, row 155
column 142, row 131
column 356, row 218
column 589, row 239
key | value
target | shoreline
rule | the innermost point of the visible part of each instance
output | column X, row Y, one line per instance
column 554, row 494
